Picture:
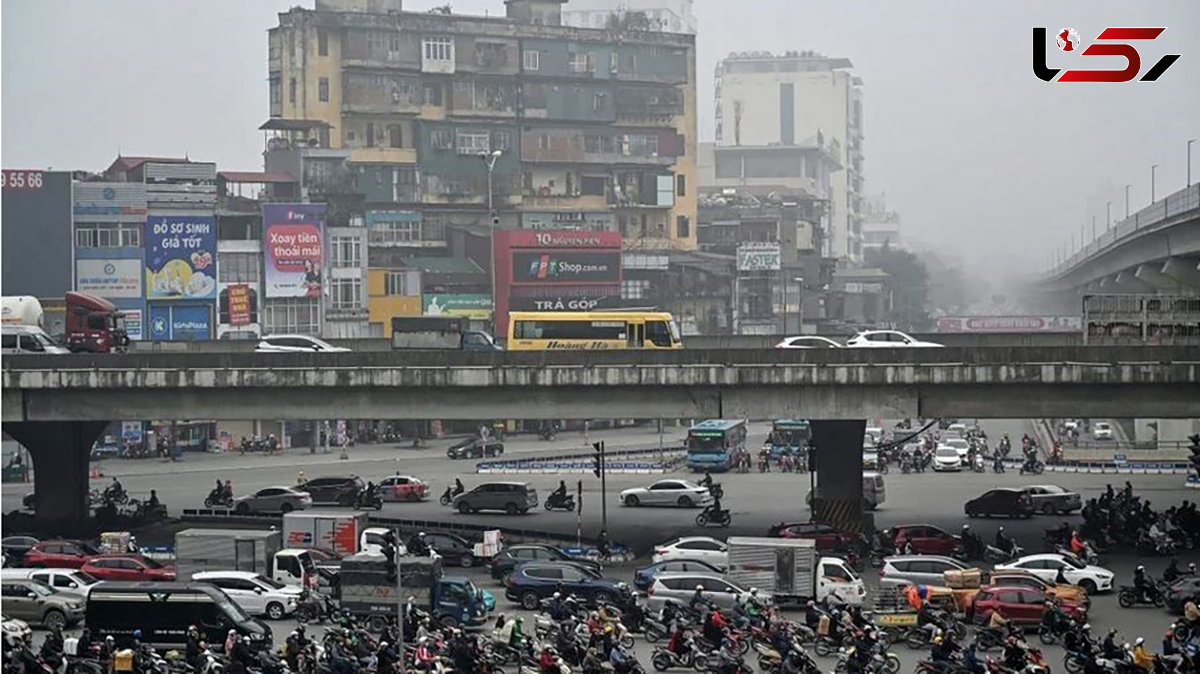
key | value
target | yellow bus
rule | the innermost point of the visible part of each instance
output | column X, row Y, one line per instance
column 591, row 330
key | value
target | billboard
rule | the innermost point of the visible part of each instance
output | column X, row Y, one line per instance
column 293, row 249
column 468, row 305
column 589, row 302
column 1010, row 324
column 238, row 295
column 37, row 237
column 113, row 279
column 758, row 256
column 566, row 267
column 181, row 257
column 180, row 322
column 133, row 324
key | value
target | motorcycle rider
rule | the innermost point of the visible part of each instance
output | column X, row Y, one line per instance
column 417, row 545
column 1172, row 573
column 1142, row 584
column 558, row 495
column 424, row 659
column 386, row 658
column 621, row 660
column 728, row 658
column 714, row 510
column 706, row 481
column 1014, row 654
column 114, row 490
column 1109, row 648
column 1004, row 542
column 458, row 488
column 971, row 542
column 294, row 646
column 242, row 658
column 1079, row 641
column 1053, row 616
column 1140, row 657
column 698, row 602
column 193, row 652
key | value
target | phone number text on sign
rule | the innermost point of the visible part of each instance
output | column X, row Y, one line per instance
column 17, row 179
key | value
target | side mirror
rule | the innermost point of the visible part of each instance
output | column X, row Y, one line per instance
column 316, row 347
column 31, row 595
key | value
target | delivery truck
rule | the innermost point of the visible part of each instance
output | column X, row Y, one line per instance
column 439, row 333
column 792, row 571
column 331, row 530
column 242, row 550
column 369, row 588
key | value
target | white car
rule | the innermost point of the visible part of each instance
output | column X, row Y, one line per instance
column 254, row 593
column 16, row 629
column 1102, row 430
column 372, row 540
column 946, row 459
column 679, row 493
column 808, row 342
column 296, row 344
column 700, row 548
column 1045, row 566
column 960, row 445
column 885, row 339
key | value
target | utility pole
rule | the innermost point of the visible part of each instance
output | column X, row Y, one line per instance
column 600, row 470
column 1153, row 168
column 489, row 160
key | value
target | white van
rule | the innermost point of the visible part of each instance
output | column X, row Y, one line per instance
column 72, row 582
column 874, row 493
column 27, row 339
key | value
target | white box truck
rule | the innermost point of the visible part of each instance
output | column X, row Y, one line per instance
column 791, row 570
column 242, row 550
column 337, row 532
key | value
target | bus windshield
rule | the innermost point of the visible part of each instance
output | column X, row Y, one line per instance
column 791, row 438
column 706, row 442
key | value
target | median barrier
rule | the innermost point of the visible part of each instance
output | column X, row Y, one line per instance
column 618, row 461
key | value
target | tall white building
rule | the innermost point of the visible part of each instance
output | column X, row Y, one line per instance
column 800, row 98
column 880, row 225
column 669, row 16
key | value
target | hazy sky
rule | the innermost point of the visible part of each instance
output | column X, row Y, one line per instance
column 978, row 155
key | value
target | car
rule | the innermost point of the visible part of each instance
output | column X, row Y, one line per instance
column 336, row 490
column 958, row 428
column 1003, row 502
column 644, row 577
column 36, row 602
column 15, row 629
column 873, row 435
column 959, row 444
column 702, row 548
column 453, row 549
column 15, row 547
column 127, row 567
column 679, row 588
column 272, row 500
column 1181, row 592
column 475, row 448
column 925, row 539
column 679, row 493
column 60, row 554
column 870, row 460
column 402, row 488
column 512, row 497
column 296, row 344
column 828, row 538
column 807, row 342
column 1046, row 566
column 918, row 569
column 530, row 583
column 1013, row 578
column 886, row 339
column 254, row 593
column 946, row 459
column 513, row 556
column 1102, row 430
column 67, row 581
column 1050, row 499
column 1022, row 605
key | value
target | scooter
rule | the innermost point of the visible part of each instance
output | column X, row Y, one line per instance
column 1033, row 466
column 565, row 504
column 1129, row 597
column 711, row 517
column 218, row 498
column 995, row 555
column 368, row 500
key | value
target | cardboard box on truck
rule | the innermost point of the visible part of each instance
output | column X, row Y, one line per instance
column 791, row 570
column 325, row 530
column 225, row 550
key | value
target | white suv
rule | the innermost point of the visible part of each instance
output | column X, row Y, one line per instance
column 679, row 588
column 254, row 593
column 296, row 344
column 885, row 339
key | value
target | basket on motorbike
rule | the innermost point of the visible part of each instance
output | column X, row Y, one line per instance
column 123, row 660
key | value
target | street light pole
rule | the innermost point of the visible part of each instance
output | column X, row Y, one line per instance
column 1152, row 169
column 1108, row 214
column 800, row 304
column 489, row 160
column 1189, row 161
column 1127, row 200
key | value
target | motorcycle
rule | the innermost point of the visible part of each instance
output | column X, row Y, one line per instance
column 116, row 495
column 709, row 517
column 998, row 465
column 316, row 608
column 995, row 555
column 564, row 503
column 716, row 490
column 368, row 500
column 218, row 498
column 1033, row 466
column 663, row 659
column 1163, row 547
column 977, row 464
column 1087, row 555
column 1128, row 597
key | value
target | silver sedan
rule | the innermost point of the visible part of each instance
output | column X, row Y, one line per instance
column 679, row 493
column 273, row 500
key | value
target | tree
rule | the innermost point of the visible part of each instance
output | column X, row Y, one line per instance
column 631, row 22
column 909, row 284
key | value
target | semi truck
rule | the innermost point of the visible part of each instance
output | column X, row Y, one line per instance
column 439, row 333
column 337, row 532
column 92, row 323
column 792, row 571
column 242, row 550
column 372, row 589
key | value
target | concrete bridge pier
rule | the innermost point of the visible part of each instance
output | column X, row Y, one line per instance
column 839, row 448
column 61, row 452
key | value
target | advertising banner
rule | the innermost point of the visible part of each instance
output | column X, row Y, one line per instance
column 472, row 305
column 133, row 323
column 113, row 279
column 566, row 267
column 180, row 323
column 1010, row 324
column 566, row 303
column 239, row 304
column 293, row 249
column 764, row 256
column 526, row 238
column 181, row 257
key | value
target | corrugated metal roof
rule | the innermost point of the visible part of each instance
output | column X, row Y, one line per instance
column 176, row 171
column 255, row 177
column 126, row 164
column 277, row 124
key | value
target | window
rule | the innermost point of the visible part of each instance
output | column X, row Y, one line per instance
column 323, row 89
column 395, row 136
column 322, row 42
column 292, row 315
column 108, row 235
column 683, row 227
column 581, row 63
column 635, row 289
column 442, row 139
column 532, row 59
column 394, row 47
column 238, row 267
column 681, row 186
column 473, row 142
column 397, row 282
column 598, row 101
column 370, row 134
column 346, row 251
column 292, row 91
column 438, row 49
column 501, row 140
column 347, row 293
column 433, row 95
column 276, row 89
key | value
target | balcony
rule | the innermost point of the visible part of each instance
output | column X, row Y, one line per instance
column 541, row 201
column 383, row 155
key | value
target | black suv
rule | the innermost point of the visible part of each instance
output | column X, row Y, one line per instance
column 475, row 449
column 333, row 490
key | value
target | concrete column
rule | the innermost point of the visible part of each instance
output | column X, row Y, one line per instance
column 1185, row 272
column 838, row 497
column 61, row 452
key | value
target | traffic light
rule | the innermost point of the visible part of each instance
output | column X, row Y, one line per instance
column 598, row 459
column 1195, row 450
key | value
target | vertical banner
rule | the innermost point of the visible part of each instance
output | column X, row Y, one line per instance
column 239, row 304
column 293, row 249
column 181, row 255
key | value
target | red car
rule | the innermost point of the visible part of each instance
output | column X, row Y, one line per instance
column 402, row 488
column 1022, row 605
column 128, row 567
column 829, row 539
column 60, row 554
column 925, row 539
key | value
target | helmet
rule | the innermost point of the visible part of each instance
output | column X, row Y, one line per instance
column 383, row 644
column 1139, row 641
column 753, row 591
column 1141, row 568
column 699, row 588
column 1000, row 529
column 557, row 595
column 137, row 634
column 1087, row 627
column 245, row 639
column 422, row 640
column 421, row 535
column 810, row 604
column 966, row 527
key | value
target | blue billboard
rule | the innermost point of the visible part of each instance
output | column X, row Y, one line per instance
column 181, row 257
column 180, row 322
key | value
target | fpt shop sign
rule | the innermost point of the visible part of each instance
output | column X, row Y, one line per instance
column 567, row 267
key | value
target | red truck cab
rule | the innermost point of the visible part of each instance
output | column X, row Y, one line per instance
column 94, row 325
